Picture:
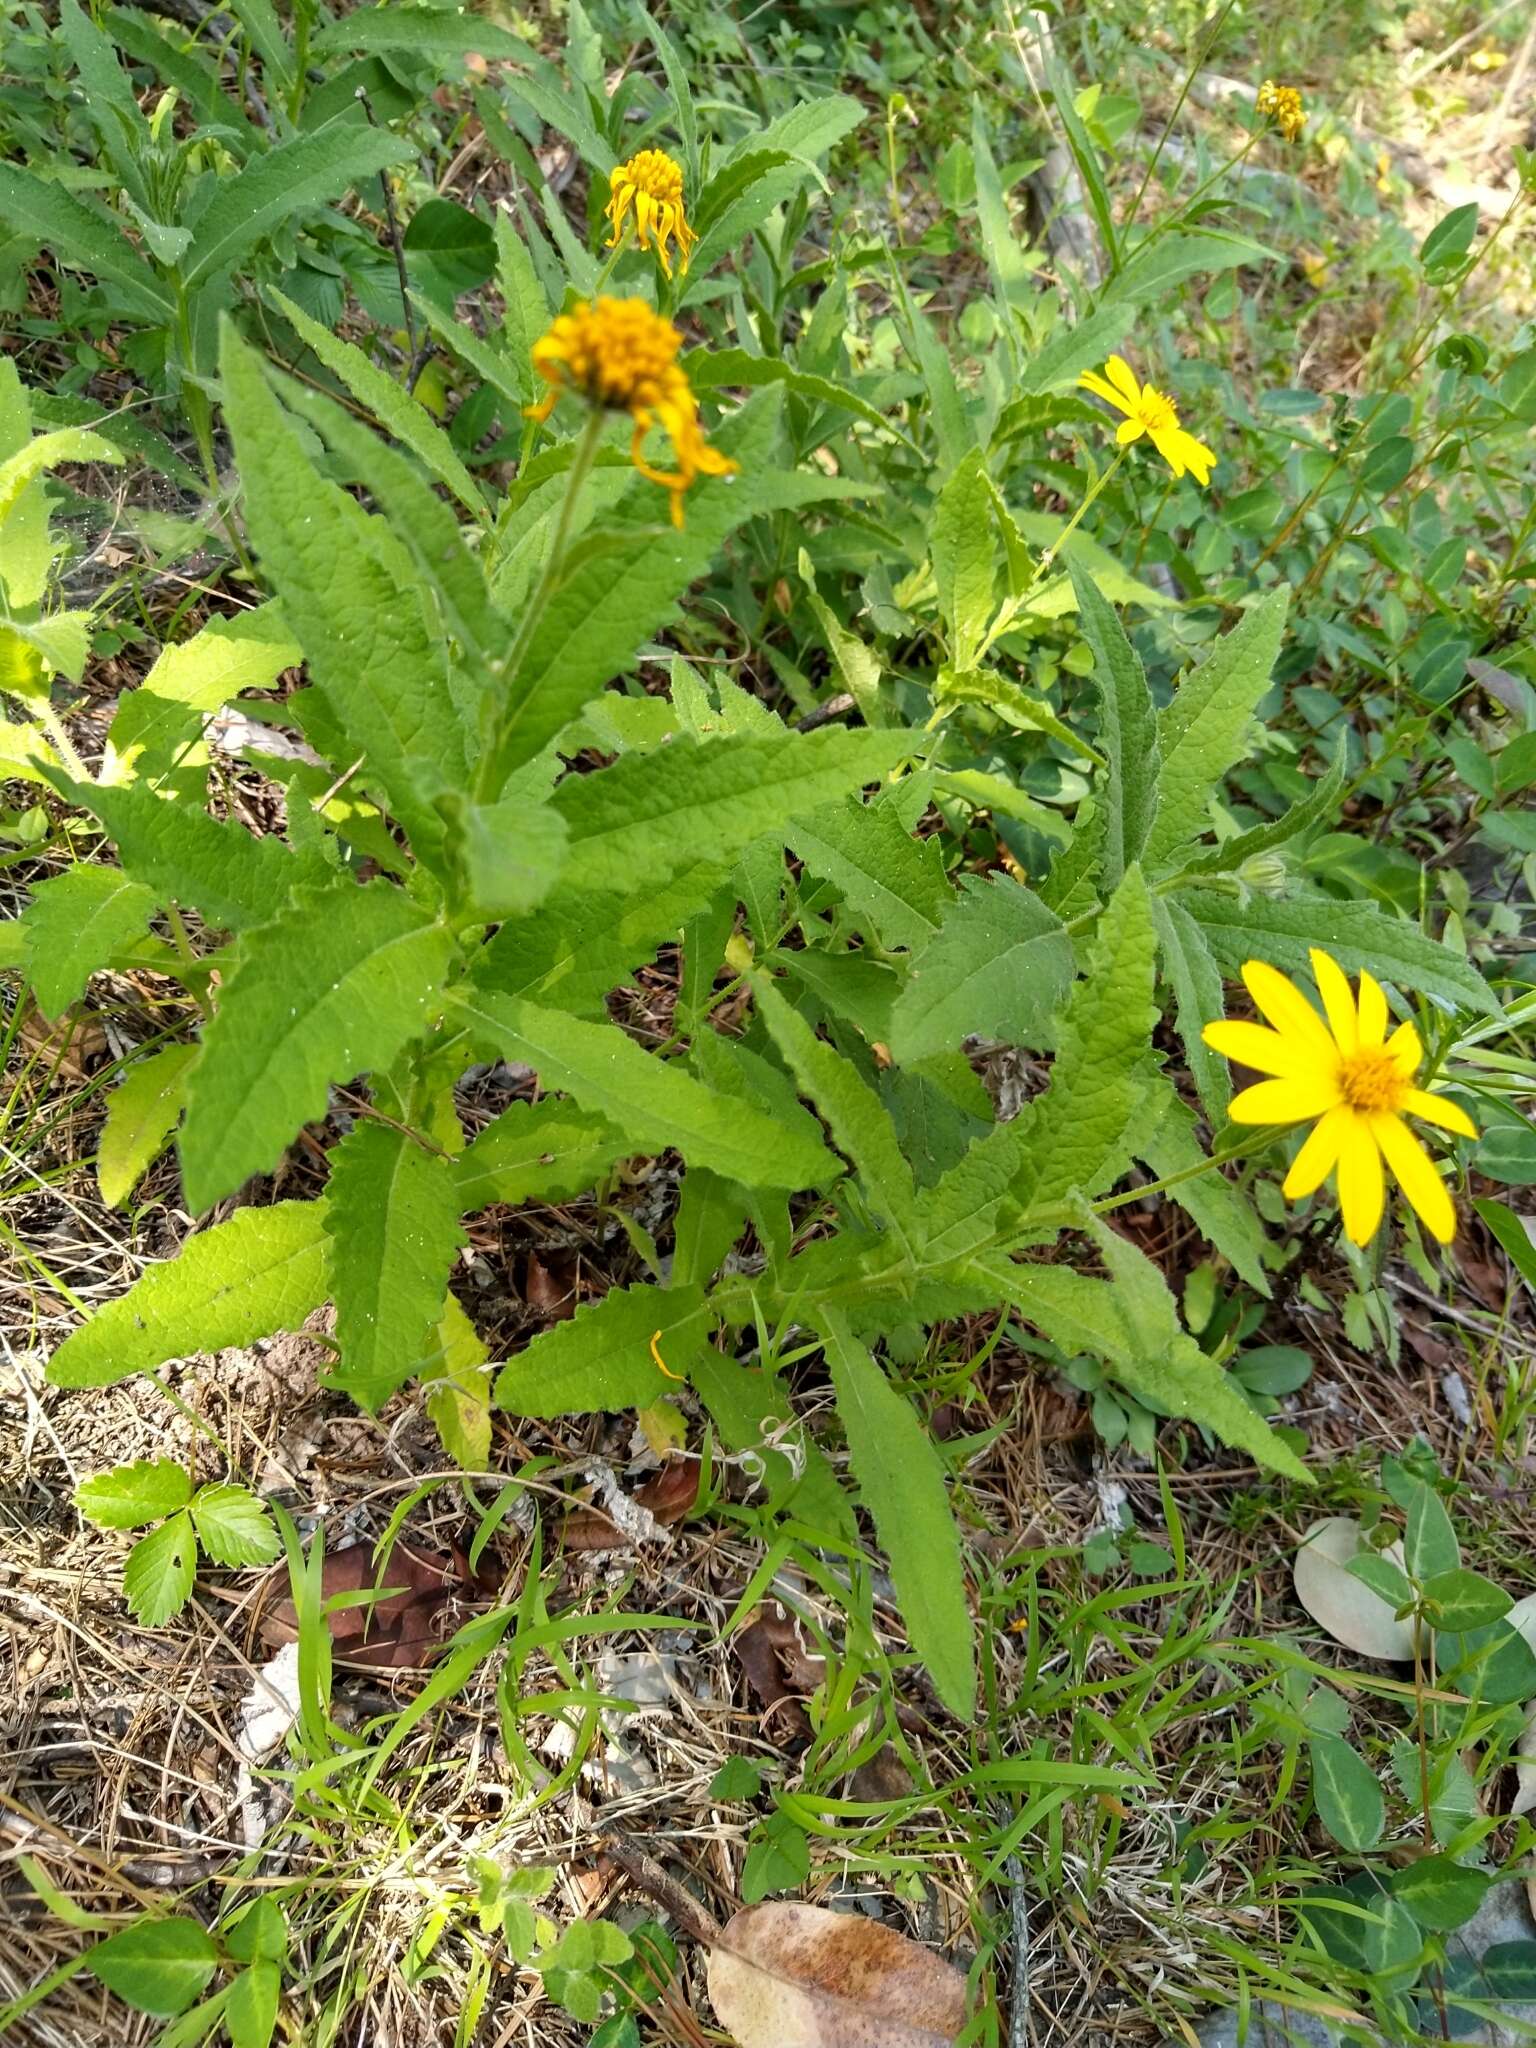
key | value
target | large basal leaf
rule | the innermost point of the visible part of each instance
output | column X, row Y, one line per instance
column 1358, row 935
column 141, row 1114
column 335, row 987
column 651, row 814
column 158, row 725
column 902, row 1484
column 1127, row 728
column 1078, row 1135
column 262, row 1271
column 548, row 1149
column 380, row 667
column 656, row 1103
column 858, row 1120
column 1205, row 728
column 392, row 1216
column 305, row 171
column 882, row 870
column 74, row 924
column 999, row 969
column 602, row 1358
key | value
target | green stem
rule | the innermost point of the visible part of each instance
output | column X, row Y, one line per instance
column 54, row 726
column 611, row 265
column 1074, row 522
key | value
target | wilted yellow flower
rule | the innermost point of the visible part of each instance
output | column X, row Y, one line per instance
column 1284, row 105
column 1357, row 1083
column 651, row 183
column 1149, row 412
column 621, row 354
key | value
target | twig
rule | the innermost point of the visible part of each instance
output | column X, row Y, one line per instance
column 394, row 234
column 647, row 1875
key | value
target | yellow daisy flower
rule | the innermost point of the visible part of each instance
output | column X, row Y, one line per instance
column 620, row 353
column 1355, row 1080
column 1149, row 412
column 651, row 183
column 1284, row 105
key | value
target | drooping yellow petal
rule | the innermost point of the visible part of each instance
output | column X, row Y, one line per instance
column 1092, row 381
column 1252, row 1045
column 1439, row 1109
column 1338, row 1002
column 1416, row 1176
column 1285, row 1101
column 1183, row 453
column 1318, row 1156
column 1362, row 1188
column 1129, row 431
column 1285, row 1006
column 1124, row 379
column 1407, row 1048
column 1373, row 1010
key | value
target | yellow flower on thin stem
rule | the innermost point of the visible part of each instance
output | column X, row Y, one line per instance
column 1283, row 105
column 622, row 355
column 651, row 185
column 1149, row 412
column 1342, row 1070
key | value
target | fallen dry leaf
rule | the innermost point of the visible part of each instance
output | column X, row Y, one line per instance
column 790, row 1976
column 668, row 1496
column 1352, row 1614
column 785, row 1721
column 400, row 1632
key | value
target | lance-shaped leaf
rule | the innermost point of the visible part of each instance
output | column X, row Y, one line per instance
column 1127, row 728
column 392, row 1216
column 305, row 171
column 262, row 1271
column 550, row 1150
column 656, row 1103
column 334, row 988
column 964, row 551
column 1221, row 1212
column 141, row 1114
column 999, row 969
column 74, row 924
column 884, row 873
column 602, row 1358
column 81, row 238
column 1192, row 972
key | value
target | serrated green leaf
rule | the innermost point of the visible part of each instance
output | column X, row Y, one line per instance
column 964, row 552
column 420, row 31
column 1204, row 730
column 141, row 1114
column 654, row 1102
column 1128, row 731
column 391, row 405
column 724, row 368
column 262, row 1271
column 307, row 170
column 1195, row 976
column 525, row 308
column 1071, row 350
column 655, row 813
column 457, row 1388
column 392, row 1216
column 155, row 734
column 1320, row 805
column 1224, row 1216
column 158, row 1575
column 74, row 924
column 999, row 968
column 549, row 1149
column 601, row 1359
column 378, row 663
column 1358, row 935
column 858, row 1120
column 902, row 1484
column 1153, row 269
column 765, row 168
column 335, row 987
column 82, row 238
column 234, row 1527
column 1080, row 1130
column 994, row 691
column 46, row 452
column 130, row 1495
column 63, row 639
column 881, row 869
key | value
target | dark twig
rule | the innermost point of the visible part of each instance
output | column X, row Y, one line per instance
column 394, row 234
column 647, row 1875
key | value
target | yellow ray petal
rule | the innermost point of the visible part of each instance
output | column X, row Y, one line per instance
column 1092, row 381
column 1362, row 1189
column 1373, row 1011
column 1284, row 1101
column 1285, row 1006
column 1333, row 987
column 1129, row 431
column 1169, row 443
column 1406, row 1047
column 1124, row 379
column 1263, row 1050
column 1319, row 1155
column 1439, row 1109
column 1416, row 1176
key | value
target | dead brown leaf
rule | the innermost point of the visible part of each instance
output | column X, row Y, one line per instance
column 669, row 1495
column 402, row 1631
column 790, row 1976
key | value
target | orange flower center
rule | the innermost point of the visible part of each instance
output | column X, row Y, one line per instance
column 654, row 173
column 1371, row 1081
column 1156, row 412
column 618, row 352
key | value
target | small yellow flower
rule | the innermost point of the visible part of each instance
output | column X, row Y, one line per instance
column 621, row 354
column 1149, row 412
column 1357, row 1083
column 651, row 183
column 1284, row 105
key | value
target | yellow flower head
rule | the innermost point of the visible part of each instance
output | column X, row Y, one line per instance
column 1355, row 1081
column 621, row 354
column 651, row 183
column 1284, row 105
column 1149, row 412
